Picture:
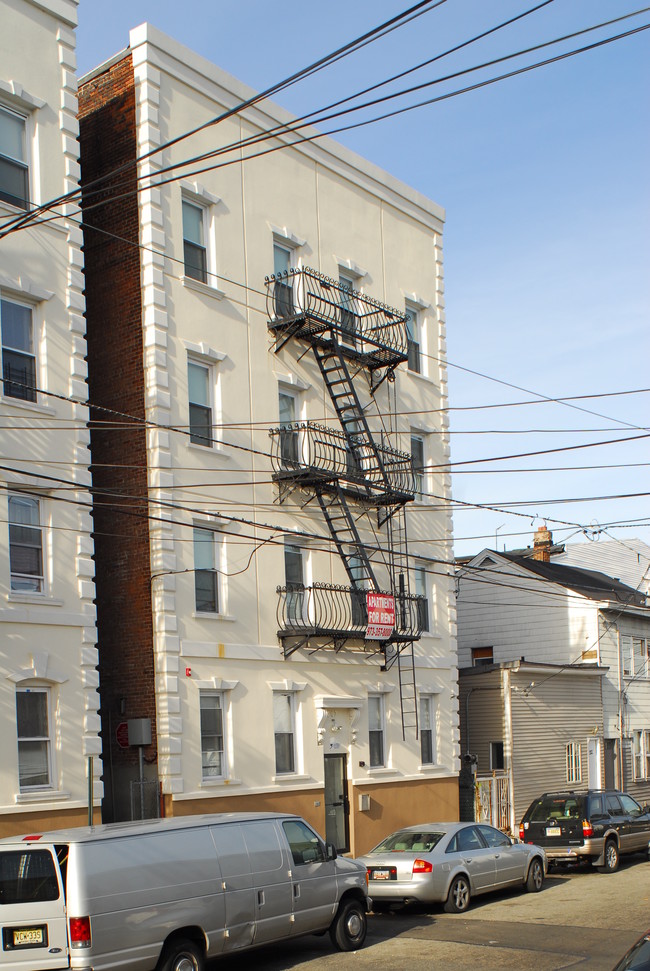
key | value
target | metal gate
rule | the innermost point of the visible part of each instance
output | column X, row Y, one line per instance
column 493, row 800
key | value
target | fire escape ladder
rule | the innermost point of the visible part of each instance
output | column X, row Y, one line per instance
column 344, row 532
column 399, row 563
column 363, row 448
column 407, row 688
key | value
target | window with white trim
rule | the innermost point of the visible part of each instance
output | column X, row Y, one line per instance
column 18, row 350
column 417, row 456
column 427, row 729
column 14, row 171
column 348, row 315
column 422, row 590
column 283, row 287
column 214, row 763
column 289, row 439
column 574, row 762
column 206, row 573
column 284, row 731
column 294, row 576
column 635, row 656
column 200, row 386
column 25, row 544
column 413, row 325
column 376, row 730
column 34, row 741
column 195, row 234
column 641, row 754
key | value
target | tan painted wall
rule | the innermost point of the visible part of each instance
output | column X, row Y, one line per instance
column 31, row 822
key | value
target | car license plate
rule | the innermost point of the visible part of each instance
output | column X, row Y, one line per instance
column 381, row 874
column 553, row 831
column 28, row 936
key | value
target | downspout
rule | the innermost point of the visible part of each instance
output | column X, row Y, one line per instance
column 620, row 713
column 508, row 752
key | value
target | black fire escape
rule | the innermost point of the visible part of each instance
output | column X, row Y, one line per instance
column 357, row 342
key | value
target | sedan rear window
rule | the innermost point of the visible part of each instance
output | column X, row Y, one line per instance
column 408, row 842
column 556, row 807
column 27, row 876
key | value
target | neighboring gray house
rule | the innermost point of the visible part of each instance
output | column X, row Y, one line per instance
column 554, row 663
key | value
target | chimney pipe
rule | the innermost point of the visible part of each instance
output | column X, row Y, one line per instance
column 542, row 544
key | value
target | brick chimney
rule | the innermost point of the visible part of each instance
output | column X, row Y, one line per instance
column 542, row 544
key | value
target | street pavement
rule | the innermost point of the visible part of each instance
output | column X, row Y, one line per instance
column 581, row 919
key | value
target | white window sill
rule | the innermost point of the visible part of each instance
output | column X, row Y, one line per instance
column 208, row 615
column 216, row 449
column 382, row 770
column 219, row 783
column 291, row 777
column 430, row 767
column 31, row 406
column 205, row 288
column 34, row 598
column 42, row 795
column 421, row 377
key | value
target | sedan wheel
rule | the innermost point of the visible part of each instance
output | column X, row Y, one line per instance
column 535, row 877
column 458, row 897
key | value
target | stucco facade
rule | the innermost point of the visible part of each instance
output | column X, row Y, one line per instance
column 49, row 722
column 316, row 205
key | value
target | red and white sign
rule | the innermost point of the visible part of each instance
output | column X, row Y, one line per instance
column 381, row 616
column 122, row 734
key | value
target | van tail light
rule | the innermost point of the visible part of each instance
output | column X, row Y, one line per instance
column 522, row 832
column 422, row 866
column 79, row 931
column 587, row 829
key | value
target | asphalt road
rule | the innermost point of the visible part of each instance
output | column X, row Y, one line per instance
column 581, row 919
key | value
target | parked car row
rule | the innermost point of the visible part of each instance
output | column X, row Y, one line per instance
column 169, row 894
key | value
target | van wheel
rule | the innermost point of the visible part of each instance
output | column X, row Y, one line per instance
column 612, row 858
column 535, row 877
column 458, row 897
column 348, row 930
column 182, row 955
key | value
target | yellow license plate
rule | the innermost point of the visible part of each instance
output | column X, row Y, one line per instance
column 553, row 831
column 28, row 935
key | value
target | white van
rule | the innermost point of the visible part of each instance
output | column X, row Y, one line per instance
column 169, row 894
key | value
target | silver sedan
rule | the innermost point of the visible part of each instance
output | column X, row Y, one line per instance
column 449, row 863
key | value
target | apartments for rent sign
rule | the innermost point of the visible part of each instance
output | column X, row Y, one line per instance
column 381, row 616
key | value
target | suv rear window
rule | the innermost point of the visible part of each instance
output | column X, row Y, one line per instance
column 27, row 876
column 556, row 807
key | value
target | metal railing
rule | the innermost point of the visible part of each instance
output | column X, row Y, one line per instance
column 335, row 610
column 322, row 452
column 362, row 324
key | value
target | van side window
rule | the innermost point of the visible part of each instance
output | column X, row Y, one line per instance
column 305, row 845
column 27, row 877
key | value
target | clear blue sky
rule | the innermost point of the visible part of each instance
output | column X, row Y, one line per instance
column 544, row 178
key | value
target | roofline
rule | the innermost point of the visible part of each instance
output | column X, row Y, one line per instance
column 535, row 667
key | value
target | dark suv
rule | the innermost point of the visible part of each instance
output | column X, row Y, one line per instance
column 594, row 826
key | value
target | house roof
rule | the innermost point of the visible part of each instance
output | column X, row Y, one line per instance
column 588, row 583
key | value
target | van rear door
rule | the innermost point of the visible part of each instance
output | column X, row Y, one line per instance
column 32, row 909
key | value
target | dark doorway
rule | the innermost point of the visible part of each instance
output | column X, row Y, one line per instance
column 337, row 804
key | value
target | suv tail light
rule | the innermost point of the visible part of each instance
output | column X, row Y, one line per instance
column 522, row 832
column 79, row 931
column 587, row 829
column 422, row 866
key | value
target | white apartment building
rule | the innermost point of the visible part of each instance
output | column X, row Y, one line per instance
column 49, row 722
column 281, row 375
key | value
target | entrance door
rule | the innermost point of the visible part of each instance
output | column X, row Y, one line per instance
column 593, row 756
column 337, row 805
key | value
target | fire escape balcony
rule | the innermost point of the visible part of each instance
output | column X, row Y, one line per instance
column 307, row 305
column 338, row 614
column 311, row 454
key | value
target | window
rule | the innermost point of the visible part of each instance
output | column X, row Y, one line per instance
column 282, row 290
column 358, row 598
column 421, row 591
column 33, row 724
column 417, row 456
column 641, row 754
column 635, row 655
column 349, row 319
column 497, row 760
column 427, row 729
column 413, row 339
column 18, row 359
column 288, row 433
column 574, row 762
column 284, row 728
column 213, row 750
column 376, row 730
column 294, row 579
column 199, row 382
column 482, row 655
column 194, row 249
column 14, row 174
column 25, row 544
column 206, row 576
column 305, row 846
